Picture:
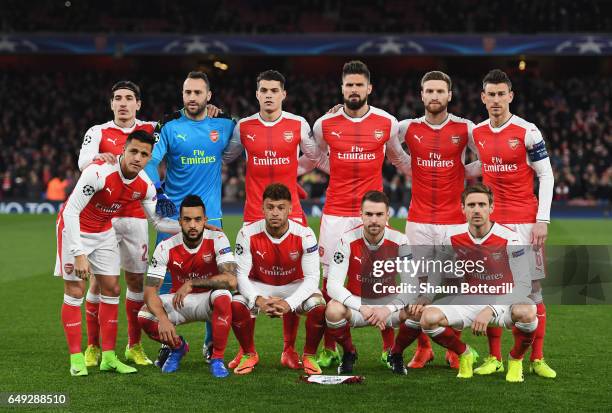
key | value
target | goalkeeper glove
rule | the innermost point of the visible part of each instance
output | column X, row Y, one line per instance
column 165, row 207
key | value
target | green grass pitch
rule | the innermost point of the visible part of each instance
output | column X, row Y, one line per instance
column 34, row 356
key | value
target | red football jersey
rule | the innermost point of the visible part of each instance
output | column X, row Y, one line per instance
column 185, row 264
column 438, row 173
column 356, row 156
column 506, row 154
column 272, row 150
column 110, row 138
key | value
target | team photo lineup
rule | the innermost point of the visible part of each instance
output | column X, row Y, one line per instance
column 168, row 173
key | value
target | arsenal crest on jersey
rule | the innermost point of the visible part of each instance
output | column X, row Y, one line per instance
column 496, row 256
column 136, row 195
column 378, row 134
column 513, row 143
column 455, row 140
column 294, row 255
column 68, row 268
column 214, row 136
column 207, row 258
column 288, row 136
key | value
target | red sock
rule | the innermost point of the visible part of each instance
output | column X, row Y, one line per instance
column 132, row 306
column 108, row 314
column 329, row 342
column 221, row 322
column 291, row 323
column 93, row 327
column 405, row 337
column 537, row 348
column 388, row 337
column 71, row 319
column 494, row 336
column 522, row 341
column 343, row 337
column 244, row 328
column 423, row 342
column 315, row 326
column 458, row 333
column 150, row 326
column 448, row 339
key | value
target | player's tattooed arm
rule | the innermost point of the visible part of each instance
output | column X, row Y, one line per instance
column 225, row 280
column 152, row 281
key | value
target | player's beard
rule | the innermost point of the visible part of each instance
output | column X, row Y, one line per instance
column 200, row 109
column 192, row 240
column 355, row 104
column 435, row 109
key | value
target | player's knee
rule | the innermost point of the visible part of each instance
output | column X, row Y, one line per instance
column 74, row 289
column 239, row 304
column 134, row 281
column 111, row 288
column 524, row 313
column 313, row 302
column 431, row 318
column 335, row 311
column 218, row 296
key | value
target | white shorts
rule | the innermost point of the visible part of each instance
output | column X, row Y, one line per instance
column 101, row 250
column 331, row 230
column 267, row 290
column 536, row 258
column 462, row 316
column 424, row 238
column 196, row 307
column 133, row 238
column 357, row 320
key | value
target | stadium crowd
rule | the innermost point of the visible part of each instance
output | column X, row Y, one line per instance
column 307, row 16
column 41, row 135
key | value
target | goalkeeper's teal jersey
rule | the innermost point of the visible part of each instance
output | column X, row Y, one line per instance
column 193, row 151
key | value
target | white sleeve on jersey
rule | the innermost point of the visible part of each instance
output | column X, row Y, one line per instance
column 159, row 262
column 90, row 147
column 223, row 249
column 167, row 225
column 539, row 161
column 395, row 153
column 245, row 263
column 338, row 270
column 315, row 150
column 310, row 268
column 234, row 148
column 473, row 169
column 402, row 128
column 88, row 184
column 519, row 265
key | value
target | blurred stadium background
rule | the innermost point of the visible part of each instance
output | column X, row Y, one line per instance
column 58, row 60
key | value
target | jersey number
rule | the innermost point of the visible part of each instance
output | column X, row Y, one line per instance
column 145, row 248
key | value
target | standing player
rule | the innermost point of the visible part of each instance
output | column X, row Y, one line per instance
column 272, row 140
column 437, row 143
column 192, row 144
column 503, row 260
column 278, row 273
column 87, row 243
column 511, row 150
column 353, row 261
column 203, row 273
column 103, row 143
column 357, row 137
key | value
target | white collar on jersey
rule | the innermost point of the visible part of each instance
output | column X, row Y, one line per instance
column 352, row 119
column 378, row 244
column 502, row 126
column 123, row 178
column 479, row 241
column 193, row 250
column 271, row 238
column 437, row 126
column 124, row 130
column 270, row 123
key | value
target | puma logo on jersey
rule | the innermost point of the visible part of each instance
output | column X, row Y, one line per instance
column 358, row 259
column 114, row 141
column 261, row 254
column 178, row 264
column 418, row 138
column 336, row 134
column 182, row 136
column 110, row 191
column 251, row 137
column 481, row 143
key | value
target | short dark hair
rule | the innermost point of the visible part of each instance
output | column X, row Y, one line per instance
column 495, row 77
column 477, row 189
column 192, row 200
column 375, row 196
column 126, row 84
column 355, row 67
column 199, row 75
column 277, row 192
column 271, row 75
column 141, row 136
column 437, row 75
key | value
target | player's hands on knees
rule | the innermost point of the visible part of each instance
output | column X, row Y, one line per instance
column 266, row 305
column 212, row 111
column 481, row 322
column 366, row 311
column 106, row 157
column 336, row 108
column 379, row 317
column 539, row 233
column 180, row 294
column 82, row 268
column 280, row 306
column 414, row 310
column 167, row 333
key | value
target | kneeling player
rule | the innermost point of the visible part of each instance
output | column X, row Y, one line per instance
column 358, row 250
column 203, row 272
column 278, row 273
column 504, row 262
